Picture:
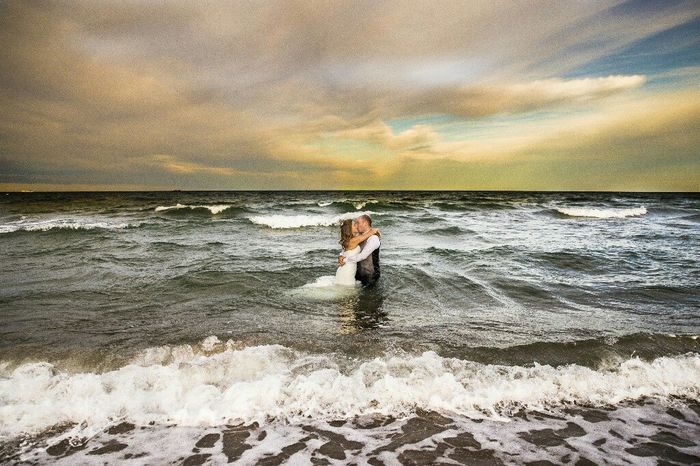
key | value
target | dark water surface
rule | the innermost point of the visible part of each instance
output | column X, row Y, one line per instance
column 512, row 318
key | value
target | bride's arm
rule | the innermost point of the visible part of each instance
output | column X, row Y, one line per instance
column 355, row 240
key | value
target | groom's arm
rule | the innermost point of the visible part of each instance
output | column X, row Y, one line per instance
column 369, row 247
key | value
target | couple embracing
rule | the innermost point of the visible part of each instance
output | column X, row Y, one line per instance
column 359, row 259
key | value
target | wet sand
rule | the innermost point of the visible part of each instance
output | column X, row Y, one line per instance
column 638, row 433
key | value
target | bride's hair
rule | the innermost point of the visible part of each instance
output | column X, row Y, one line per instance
column 345, row 233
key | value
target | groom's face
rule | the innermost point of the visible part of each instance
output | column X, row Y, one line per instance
column 362, row 225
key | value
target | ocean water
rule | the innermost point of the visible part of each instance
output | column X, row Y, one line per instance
column 198, row 327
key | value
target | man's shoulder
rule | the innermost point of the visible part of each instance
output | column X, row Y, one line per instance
column 374, row 239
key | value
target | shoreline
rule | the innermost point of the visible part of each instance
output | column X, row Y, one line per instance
column 644, row 430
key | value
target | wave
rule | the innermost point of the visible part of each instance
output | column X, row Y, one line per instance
column 214, row 209
column 303, row 220
column 446, row 252
column 602, row 213
column 585, row 352
column 383, row 205
column 76, row 223
column 453, row 230
column 359, row 205
column 570, row 260
column 465, row 206
column 691, row 217
column 216, row 383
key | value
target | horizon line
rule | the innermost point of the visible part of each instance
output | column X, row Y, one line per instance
column 348, row 190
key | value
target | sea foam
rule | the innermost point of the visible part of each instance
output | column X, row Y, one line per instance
column 602, row 213
column 302, row 220
column 217, row 383
column 214, row 209
column 359, row 205
column 69, row 223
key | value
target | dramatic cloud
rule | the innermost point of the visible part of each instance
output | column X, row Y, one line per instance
column 646, row 144
column 306, row 94
column 379, row 133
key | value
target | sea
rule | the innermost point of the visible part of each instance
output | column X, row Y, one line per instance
column 202, row 328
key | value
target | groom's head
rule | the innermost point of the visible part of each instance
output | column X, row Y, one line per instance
column 364, row 223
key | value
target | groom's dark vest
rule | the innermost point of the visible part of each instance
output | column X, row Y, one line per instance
column 368, row 269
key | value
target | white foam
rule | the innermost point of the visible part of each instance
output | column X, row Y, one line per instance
column 377, row 437
column 602, row 213
column 302, row 220
column 386, row 440
column 65, row 223
column 361, row 205
column 216, row 383
column 214, row 209
column 358, row 205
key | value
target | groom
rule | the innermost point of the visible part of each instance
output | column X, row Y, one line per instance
column 368, row 258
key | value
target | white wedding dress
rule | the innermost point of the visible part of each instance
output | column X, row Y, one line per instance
column 345, row 275
column 332, row 287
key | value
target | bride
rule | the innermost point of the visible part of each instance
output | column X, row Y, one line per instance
column 350, row 240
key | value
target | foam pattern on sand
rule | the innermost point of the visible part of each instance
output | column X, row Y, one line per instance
column 576, row 436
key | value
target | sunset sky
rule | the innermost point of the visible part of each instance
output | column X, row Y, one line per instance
column 530, row 95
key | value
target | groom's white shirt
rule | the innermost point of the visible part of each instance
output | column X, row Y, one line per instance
column 371, row 244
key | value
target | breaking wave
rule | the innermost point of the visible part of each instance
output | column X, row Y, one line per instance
column 602, row 213
column 214, row 209
column 217, row 383
column 76, row 223
column 302, row 220
column 359, row 205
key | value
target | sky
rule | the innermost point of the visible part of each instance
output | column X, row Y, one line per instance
column 465, row 95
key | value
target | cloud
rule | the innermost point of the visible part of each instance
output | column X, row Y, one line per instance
column 642, row 144
column 480, row 101
column 379, row 132
column 173, row 165
column 475, row 103
column 579, row 90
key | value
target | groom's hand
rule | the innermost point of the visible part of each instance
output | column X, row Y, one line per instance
column 341, row 260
